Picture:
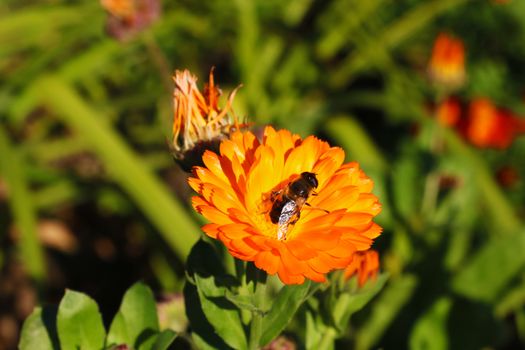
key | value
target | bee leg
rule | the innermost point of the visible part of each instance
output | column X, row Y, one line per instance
column 274, row 194
column 309, row 205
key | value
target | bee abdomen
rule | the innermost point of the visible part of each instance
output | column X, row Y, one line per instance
column 275, row 213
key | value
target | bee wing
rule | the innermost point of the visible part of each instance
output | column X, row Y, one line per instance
column 287, row 213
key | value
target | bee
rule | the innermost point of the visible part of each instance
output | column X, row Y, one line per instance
column 287, row 203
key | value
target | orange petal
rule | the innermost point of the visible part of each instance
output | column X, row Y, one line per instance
column 211, row 230
column 291, row 263
column 320, row 241
column 268, row 262
column 300, row 250
column 213, row 215
column 212, row 162
column 343, row 250
column 288, row 278
column 373, row 231
column 360, row 242
column 358, row 221
column 327, row 165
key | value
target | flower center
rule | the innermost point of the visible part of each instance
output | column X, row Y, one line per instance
column 276, row 214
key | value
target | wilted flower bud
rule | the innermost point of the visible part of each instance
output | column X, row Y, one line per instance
column 198, row 122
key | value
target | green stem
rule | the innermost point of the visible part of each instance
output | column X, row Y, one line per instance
column 12, row 168
column 160, row 60
column 327, row 341
column 240, row 272
column 257, row 316
column 125, row 166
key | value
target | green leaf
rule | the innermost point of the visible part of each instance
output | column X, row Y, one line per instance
column 211, row 282
column 384, row 310
column 79, row 322
column 39, row 330
column 136, row 323
column 314, row 329
column 203, row 333
column 222, row 314
column 349, row 303
column 492, row 268
column 499, row 208
column 289, row 299
column 243, row 302
column 430, row 331
column 164, row 340
column 513, row 300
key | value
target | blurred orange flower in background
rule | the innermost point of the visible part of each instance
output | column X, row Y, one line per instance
column 489, row 126
column 447, row 63
column 237, row 190
column 128, row 17
column 365, row 265
column 125, row 9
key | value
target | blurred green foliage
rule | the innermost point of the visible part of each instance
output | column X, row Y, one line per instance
column 349, row 71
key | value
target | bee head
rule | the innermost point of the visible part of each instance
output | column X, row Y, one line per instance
column 310, row 178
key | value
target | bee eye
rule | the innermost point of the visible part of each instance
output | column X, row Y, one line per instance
column 311, row 179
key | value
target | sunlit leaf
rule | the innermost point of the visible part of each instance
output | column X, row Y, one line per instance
column 79, row 322
column 164, row 340
column 283, row 309
column 39, row 330
column 136, row 323
column 211, row 281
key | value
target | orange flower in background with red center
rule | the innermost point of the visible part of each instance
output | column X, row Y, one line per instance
column 238, row 191
column 365, row 265
column 447, row 63
column 489, row 126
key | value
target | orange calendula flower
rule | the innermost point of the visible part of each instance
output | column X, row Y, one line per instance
column 447, row 64
column 289, row 205
column 128, row 17
column 448, row 112
column 365, row 265
column 198, row 122
column 488, row 126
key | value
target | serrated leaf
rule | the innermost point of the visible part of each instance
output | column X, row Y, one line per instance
column 314, row 329
column 164, row 339
column 79, row 322
column 492, row 268
column 222, row 314
column 136, row 323
column 39, row 330
column 243, row 302
column 211, row 281
column 203, row 333
column 289, row 299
